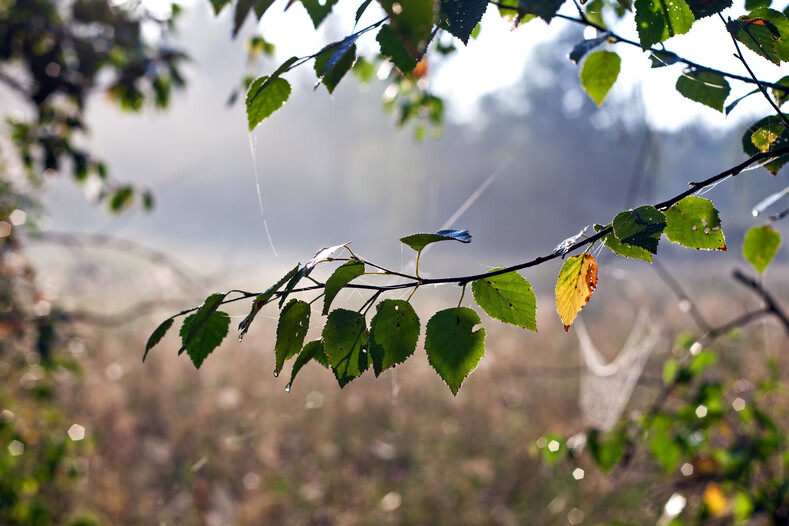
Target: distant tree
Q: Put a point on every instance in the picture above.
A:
(55, 56)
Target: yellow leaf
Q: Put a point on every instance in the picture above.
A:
(715, 500)
(577, 280)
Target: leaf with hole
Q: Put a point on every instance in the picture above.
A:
(599, 73)
(157, 335)
(345, 344)
(577, 280)
(262, 299)
(339, 278)
(693, 222)
(641, 227)
(781, 142)
(658, 20)
(394, 331)
(419, 241)
(760, 245)
(704, 86)
(207, 339)
(264, 97)
(294, 322)
(452, 345)
(508, 298)
(765, 136)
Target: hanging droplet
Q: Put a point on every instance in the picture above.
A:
(287, 388)
(240, 338)
(276, 373)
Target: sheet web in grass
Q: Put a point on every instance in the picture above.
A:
(606, 387)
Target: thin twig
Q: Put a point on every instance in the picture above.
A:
(750, 72)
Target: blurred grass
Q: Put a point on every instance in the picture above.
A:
(227, 445)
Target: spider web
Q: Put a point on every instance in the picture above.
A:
(606, 387)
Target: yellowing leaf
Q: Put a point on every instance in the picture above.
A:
(577, 280)
(716, 501)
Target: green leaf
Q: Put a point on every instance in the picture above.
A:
(759, 247)
(345, 344)
(394, 332)
(218, 5)
(413, 20)
(157, 335)
(763, 31)
(703, 8)
(243, 7)
(303, 271)
(262, 299)
(662, 444)
(764, 137)
(453, 347)
(208, 339)
(606, 449)
(339, 278)
(318, 9)
(671, 370)
(730, 107)
(750, 5)
(335, 63)
(628, 251)
(202, 317)
(693, 222)
(545, 9)
(419, 241)
(704, 86)
(121, 199)
(361, 9)
(392, 47)
(663, 58)
(658, 20)
(312, 351)
(261, 6)
(781, 96)
(782, 141)
(599, 73)
(508, 298)
(294, 322)
(641, 227)
(460, 17)
(264, 97)
(583, 47)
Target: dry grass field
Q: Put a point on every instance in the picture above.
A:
(168, 445)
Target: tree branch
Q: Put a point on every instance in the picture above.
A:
(750, 72)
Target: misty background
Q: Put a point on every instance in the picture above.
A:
(335, 168)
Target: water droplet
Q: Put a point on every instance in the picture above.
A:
(240, 338)
(287, 388)
(276, 373)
